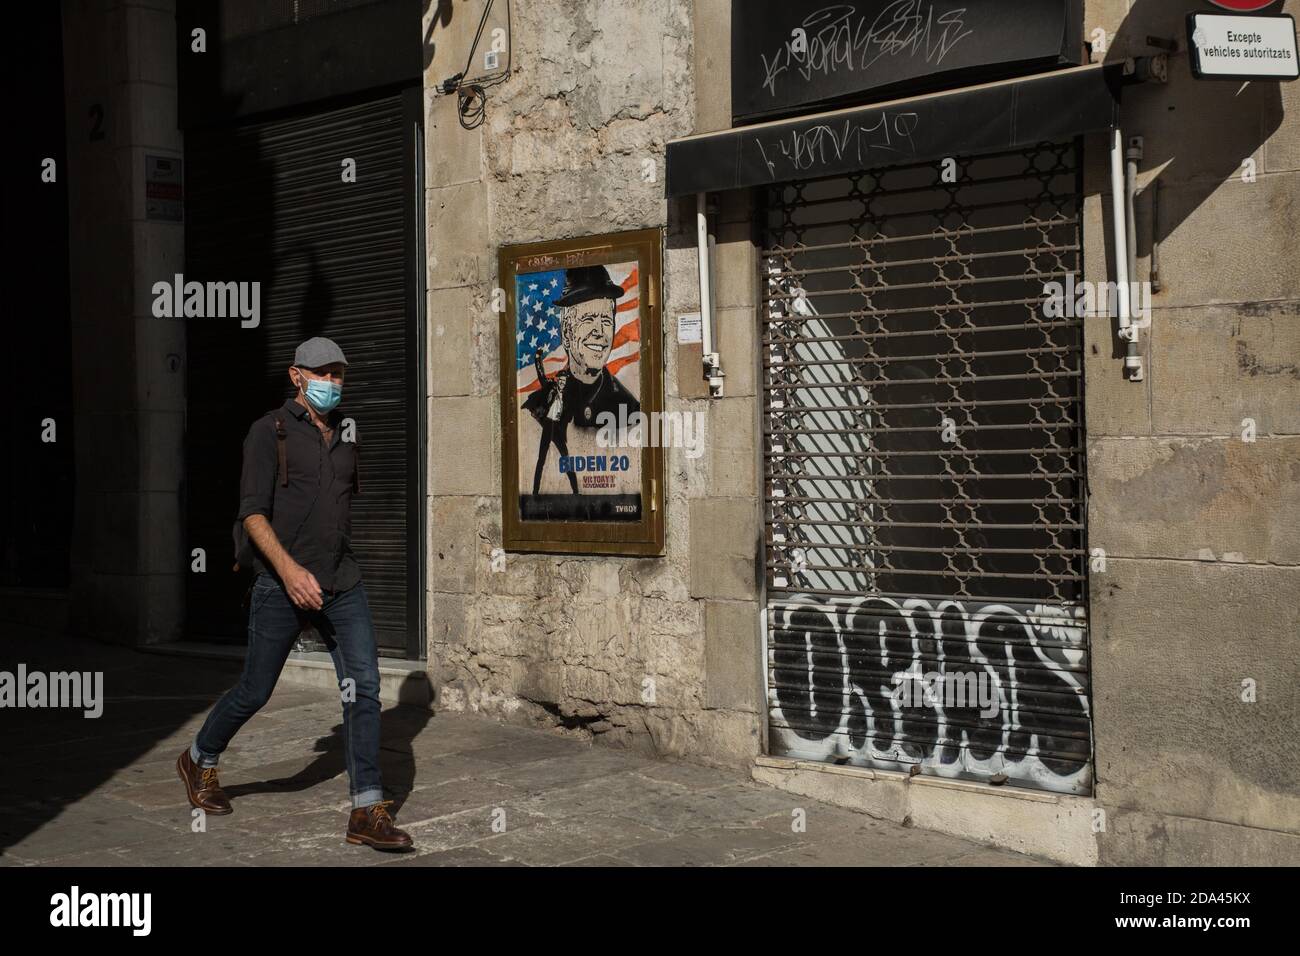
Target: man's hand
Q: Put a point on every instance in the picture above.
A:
(303, 589)
(299, 583)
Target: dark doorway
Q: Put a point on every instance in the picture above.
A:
(36, 365)
(267, 200)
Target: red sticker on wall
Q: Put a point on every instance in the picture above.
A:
(1243, 6)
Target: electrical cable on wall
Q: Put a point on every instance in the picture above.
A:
(471, 98)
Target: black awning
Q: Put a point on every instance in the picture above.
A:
(976, 119)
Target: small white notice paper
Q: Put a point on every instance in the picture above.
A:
(688, 328)
(1243, 47)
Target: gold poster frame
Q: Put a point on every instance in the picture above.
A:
(644, 536)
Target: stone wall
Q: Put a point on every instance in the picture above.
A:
(1201, 528)
(128, 557)
(573, 640)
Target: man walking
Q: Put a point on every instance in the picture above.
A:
(296, 488)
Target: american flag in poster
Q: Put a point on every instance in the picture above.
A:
(537, 325)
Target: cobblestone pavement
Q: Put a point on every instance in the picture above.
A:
(471, 791)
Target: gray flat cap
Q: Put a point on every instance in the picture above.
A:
(317, 352)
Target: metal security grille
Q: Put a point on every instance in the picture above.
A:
(926, 561)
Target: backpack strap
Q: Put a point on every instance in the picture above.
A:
(279, 451)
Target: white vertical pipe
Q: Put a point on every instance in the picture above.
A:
(1120, 206)
(1119, 223)
(706, 278)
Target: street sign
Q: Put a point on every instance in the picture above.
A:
(1224, 47)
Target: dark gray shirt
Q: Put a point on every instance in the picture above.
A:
(312, 516)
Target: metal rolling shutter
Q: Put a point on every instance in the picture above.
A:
(265, 201)
(897, 304)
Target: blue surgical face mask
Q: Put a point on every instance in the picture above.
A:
(323, 395)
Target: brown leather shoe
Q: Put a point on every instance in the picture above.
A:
(374, 827)
(201, 786)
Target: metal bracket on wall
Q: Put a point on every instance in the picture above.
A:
(1124, 168)
(1147, 69)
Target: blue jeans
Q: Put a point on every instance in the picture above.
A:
(273, 626)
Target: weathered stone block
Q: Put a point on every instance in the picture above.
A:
(448, 619)
(160, 367)
(1254, 252)
(731, 435)
(163, 549)
(162, 451)
(1055, 826)
(115, 543)
(856, 791)
(451, 322)
(681, 260)
(1147, 839)
(724, 738)
(162, 613)
(152, 119)
(1216, 366)
(453, 154)
(1282, 148)
(150, 34)
(1196, 498)
(690, 372)
(457, 239)
(725, 548)
(462, 446)
(108, 451)
(732, 656)
(543, 681)
(738, 338)
(453, 545)
(712, 32)
(735, 267)
(158, 248)
(1173, 642)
